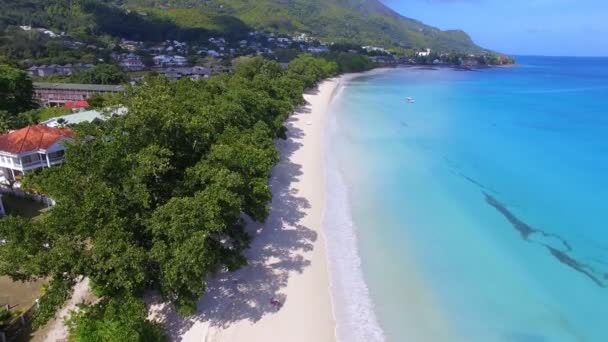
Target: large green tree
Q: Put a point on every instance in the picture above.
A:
(114, 319)
(101, 74)
(310, 69)
(16, 90)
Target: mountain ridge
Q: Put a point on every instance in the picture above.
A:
(368, 22)
(361, 22)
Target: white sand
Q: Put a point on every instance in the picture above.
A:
(57, 330)
(287, 258)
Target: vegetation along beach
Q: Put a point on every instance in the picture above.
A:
(303, 170)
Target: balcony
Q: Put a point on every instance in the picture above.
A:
(33, 164)
(56, 159)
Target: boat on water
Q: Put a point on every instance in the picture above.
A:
(410, 100)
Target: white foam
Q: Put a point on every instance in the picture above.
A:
(352, 305)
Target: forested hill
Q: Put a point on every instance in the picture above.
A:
(367, 22)
(355, 21)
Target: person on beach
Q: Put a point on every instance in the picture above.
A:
(275, 303)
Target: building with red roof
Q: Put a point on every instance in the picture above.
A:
(76, 104)
(31, 148)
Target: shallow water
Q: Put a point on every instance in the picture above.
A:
(479, 211)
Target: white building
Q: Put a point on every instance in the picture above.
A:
(318, 49)
(31, 148)
(131, 62)
(425, 53)
(164, 60)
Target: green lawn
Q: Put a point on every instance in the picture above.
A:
(52, 112)
(22, 206)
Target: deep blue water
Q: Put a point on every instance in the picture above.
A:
(480, 211)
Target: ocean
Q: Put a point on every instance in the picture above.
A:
(477, 213)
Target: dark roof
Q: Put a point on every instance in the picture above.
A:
(75, 86)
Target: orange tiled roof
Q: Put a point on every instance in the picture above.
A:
(36, 137)
(76, 104)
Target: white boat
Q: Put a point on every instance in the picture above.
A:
(410, 99)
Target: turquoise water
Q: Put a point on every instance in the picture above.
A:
(479, 211)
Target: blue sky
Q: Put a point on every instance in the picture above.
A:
(529, 27)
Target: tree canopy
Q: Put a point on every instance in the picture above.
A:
(155, 199)
(114, 319)
(101, 74)
(16, 90)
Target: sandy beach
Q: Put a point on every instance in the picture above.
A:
(287, 258)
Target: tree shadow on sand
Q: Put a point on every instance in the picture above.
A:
(276, 251)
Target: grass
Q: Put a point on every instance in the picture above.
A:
(52, 112)
(22, 206)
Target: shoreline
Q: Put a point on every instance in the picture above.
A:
(307, 313)
(288, 257)
(352, 307)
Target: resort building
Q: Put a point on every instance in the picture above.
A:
(56, 94)
(424, 53)
(165, 61)
(54, 69)
(31, 148)
(131, 62)
(194, 73)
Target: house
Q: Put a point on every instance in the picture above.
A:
(195, 73)
(41, 71)
(48, 32)
(374, 49)
(157, 48)
(53, 94)
(161, 60)
(425, 53)
(383, 59)
(165, 61)
(179, 61)
(130, 45)
(217, 41)
(213, 53)
(54, 69)
(131, 62)
(318, 49)
(31, 148)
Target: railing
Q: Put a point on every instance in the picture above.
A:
(42, 162)
(56, 159)
(7, 163)
(33, 163)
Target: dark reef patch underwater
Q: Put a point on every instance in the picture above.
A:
(561, 255)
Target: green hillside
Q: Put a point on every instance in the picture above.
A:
(366, 22)
(359, 21)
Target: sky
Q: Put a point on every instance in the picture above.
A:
(520, 27)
